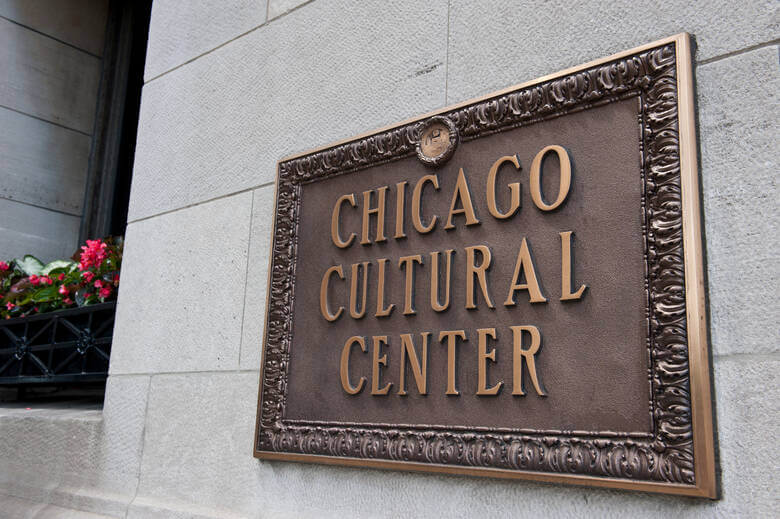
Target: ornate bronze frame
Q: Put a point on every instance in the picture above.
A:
(679, 458)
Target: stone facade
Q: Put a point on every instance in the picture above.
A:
(230, 89)
(51, 60)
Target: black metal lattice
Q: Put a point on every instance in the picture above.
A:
(67, 346)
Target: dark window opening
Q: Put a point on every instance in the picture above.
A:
(106, 199)
(113, 147)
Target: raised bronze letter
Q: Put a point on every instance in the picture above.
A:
(349, 388)
(482, 358)
(461, 192)
(407, 262)
(334, 222)
(420, 373)
(379, 211)
(381, 310)
(526, 265)
(435, 281)
(400, 193)
(536, 178)
(353, 311)
(514, 188)
(473, 270)
(518, 353)
(416, 200)
(376, 371)
(324, 293)
(566, 266)
(452, 338)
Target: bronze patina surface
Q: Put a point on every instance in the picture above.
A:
(509, 287)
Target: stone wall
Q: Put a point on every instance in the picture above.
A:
(231, 87)
(50, 57)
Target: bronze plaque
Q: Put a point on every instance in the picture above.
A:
(509, 287)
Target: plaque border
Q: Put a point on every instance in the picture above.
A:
(680, 457)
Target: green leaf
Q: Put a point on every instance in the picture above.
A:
(26, 300)
(59, 265)
(44, 294)
(30, 265)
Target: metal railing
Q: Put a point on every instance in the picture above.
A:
(64, 347)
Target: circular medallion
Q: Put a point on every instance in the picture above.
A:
(438, 140)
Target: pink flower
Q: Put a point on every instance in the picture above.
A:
(3, 266)
(35, 280)
(35, 309)
(104, 292)
(98, 283)
(116, 280)
(87, 275)
(87, 295)
(10, 306)
(46, 280)
(61, 276)
(68, 301)
(93, 255)
(63, 290)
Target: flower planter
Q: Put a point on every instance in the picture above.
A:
(66, 346)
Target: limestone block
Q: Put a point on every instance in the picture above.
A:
(198, 445)
(257, 278)
(43, 164)
(181, 296)
(57, 512)
(739, 110)
(101, 476)
(279, 7)
(182, 31)
(322, 73)
(19, 508)
(145, 508)
(41, 440)
(196, 462)
(25, 229)
(16, 508)
(748, 413)
(46, 78)
(81, 23)
(496, 44)
(91, 456)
